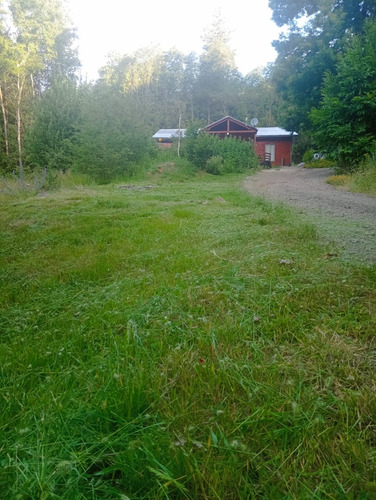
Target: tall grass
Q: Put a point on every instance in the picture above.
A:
(183, 341)
(364, 181)
(361, 181)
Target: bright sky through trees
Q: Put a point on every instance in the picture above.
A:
(125, 26)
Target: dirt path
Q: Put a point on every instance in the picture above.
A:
(348, 219)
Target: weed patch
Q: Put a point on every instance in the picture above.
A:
(338, 180)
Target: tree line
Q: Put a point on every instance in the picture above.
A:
(322, 85)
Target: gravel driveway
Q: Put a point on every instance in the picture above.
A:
(348, 219)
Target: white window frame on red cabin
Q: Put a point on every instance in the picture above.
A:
(270, 149)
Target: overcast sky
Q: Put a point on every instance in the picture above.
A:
(124, 26)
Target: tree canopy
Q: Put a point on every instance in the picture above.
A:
(309, 72)
(37, 48)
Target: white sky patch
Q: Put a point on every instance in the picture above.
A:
(125, 26)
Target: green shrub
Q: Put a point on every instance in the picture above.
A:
(308, 156)
(49, 140)
(236, 155)
(108, 144)
(338, 180)
(214, 165)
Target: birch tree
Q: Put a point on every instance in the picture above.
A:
(37, 43)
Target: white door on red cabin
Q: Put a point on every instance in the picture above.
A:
(270, 150)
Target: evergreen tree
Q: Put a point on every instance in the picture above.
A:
(218, 79)
(109, 143)
(50, 138)
(345, 121)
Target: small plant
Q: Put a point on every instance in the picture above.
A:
(214, 165)
(364, 180)
(338, 180)
(320, 163)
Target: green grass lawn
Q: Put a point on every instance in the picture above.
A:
(185, 341)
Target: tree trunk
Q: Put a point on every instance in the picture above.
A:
(18, 118)
(179, 138)
(32, 84)
(5, 120)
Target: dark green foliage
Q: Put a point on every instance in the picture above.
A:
(345, 122)
(310, 50)
(353, 11)
(109, 143)
(50, 138)
(217, 156)
(303, 143)
(298, 75)
(214, 165)
(36, 49)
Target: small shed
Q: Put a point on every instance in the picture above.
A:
(231, 127)
(275, 143)
(166, 136)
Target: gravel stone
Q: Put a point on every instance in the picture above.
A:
(345, 218)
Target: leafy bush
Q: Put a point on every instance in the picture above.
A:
(215, 155)
(308, 156)
(201, 148)
(109, 143)
(214, 165)
(49, 142)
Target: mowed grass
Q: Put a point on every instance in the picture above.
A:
(184, 341)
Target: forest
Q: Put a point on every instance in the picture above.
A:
(322, 85)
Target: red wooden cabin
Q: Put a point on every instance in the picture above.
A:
(271, 143)
(276, 144)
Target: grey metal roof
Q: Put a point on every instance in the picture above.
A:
(273, 132)
(169, 133)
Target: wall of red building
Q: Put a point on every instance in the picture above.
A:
(282, 150)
